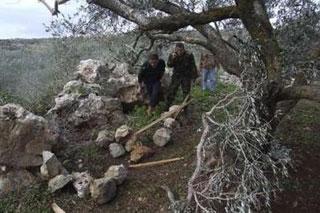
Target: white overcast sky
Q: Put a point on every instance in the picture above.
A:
(25, 18)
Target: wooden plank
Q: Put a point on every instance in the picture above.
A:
(154, 163)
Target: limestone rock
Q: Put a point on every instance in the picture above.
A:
(51, 166)
(122, 133)
(174, 108)
(15, 180)
(170, 123)
(116, 150)
(119, 173)
(23, 137)
(58, 182)
(130, 144)
(140, 152)
(82, 183)
(162, 136)
(103, 190)
(105, 137)
(91, 71)
(123, 84)
(97, 109)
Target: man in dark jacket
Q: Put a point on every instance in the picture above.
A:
(184, 72)
(150, 76)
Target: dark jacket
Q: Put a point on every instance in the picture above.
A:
(149, 74)
(183, 66)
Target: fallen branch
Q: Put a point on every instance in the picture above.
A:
(155, 163)
(56, 208)
(174, 113)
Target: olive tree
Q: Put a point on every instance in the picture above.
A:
(238, 161)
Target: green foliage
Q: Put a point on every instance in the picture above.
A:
(301, 125)
(139, 117)
(90, 152)
(35, 199)
(202, 102)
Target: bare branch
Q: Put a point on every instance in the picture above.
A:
(172, 23)
(301, 92)
(53, 10)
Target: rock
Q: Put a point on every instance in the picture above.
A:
(123, 84)
(171, 109)
(170, 123)
(162, 136)
(98, 110)
(15, 180)
(130, 144)
(23, 137)
(80, 88)
(140, 152)
(174, 108)
(105, 137)
(92, 71)
(58, 182)
(122, 133)
(116, 150)
(82, 183)
(72, 92)
(103, 190)
(51, 166)
(119, 173)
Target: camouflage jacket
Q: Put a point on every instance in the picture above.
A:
(183, 66)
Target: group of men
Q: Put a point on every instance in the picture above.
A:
(184, 73)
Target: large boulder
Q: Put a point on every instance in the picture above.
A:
(24, 136)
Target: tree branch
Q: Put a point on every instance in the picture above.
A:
(172, 23)
(172, 37)
(309, 92)
(53, 10)
(226, 56)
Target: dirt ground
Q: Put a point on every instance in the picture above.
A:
(300, 131)
(142, 192)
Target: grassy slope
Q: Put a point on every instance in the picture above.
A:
(300, 131)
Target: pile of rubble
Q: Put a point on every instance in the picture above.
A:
(125, 140)
(92, 102)
(102, 190)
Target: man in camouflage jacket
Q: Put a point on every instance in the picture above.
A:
(184, 72)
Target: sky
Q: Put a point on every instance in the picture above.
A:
(26, 18)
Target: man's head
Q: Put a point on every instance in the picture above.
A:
(153, 60)
(179, 49)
